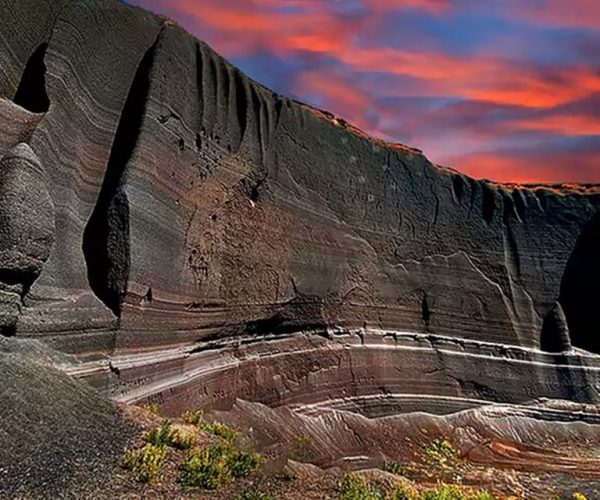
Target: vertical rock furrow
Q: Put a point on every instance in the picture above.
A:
(199, 90)
(106, 245)
(488, 203)
(257, 113)
(209, 88)
(31, 93)
(238, 108)
(458, 188)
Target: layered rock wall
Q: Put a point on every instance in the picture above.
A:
(190, 204)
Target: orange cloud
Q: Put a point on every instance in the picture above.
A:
(479, 78)
(564, 124)
(337, 94)
(355, 79)
(543, 167)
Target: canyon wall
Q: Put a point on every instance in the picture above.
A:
(159, 210)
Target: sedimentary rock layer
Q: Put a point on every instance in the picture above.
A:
(190, 205)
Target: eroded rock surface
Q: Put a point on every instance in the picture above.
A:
(196, 238)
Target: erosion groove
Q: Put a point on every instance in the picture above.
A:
(488, 203)
(202, 241)
(106, 245)
(31, 93)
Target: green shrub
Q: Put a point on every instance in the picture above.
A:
(355, 487)
(205, 468)
(166, 435)
(145, 463)
(161, 435)
(218, 429)
(404, 491)
(393, 467)
(253, 495)
(452, 492)
(181, 439)
(441, 452)
(302, 449)
(152, 408)
(216, 465)
(192, 418)
(242, 463)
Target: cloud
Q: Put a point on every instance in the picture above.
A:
(559, 13)
(464, 96)
(566, 161)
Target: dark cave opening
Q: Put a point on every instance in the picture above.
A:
(555, 332)
(425, 311)
(31, 93)
(580, 288)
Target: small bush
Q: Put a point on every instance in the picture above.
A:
(146, 462)
(253, 495)
(393, 467)
(166, 435)
(182, 439)
(452, 492)
(441, 452)
(161, 435)
(216, 465)
(302, 449)
(192, 418)
(242, 463)
(403, 491)
(152, 408)
(206, 468)
(220, 430)
(355, 487)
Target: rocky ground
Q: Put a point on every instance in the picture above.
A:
(62, 439)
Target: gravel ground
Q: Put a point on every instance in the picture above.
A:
(58, 438)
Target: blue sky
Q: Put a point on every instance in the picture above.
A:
(503, 89)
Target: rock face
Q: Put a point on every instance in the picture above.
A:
(196, 238)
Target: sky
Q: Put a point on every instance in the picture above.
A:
(507, 90)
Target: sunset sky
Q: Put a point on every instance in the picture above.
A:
(507, 90)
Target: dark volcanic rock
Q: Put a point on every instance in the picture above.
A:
(213, 240)
(60, 438)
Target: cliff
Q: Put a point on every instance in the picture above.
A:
(195, 238)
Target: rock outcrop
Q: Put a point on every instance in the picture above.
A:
(196, 238)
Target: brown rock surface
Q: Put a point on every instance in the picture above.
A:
(198, 240)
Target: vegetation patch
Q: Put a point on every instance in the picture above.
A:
(393, 467)
(302, 450)
(152, 408)
(355, 487)
(193, 418)
(167, 435)
(205, 468)
(146, 462)
(253, 495)
(442, 453)
(216, 465)
(219, 430)
(453, 492)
